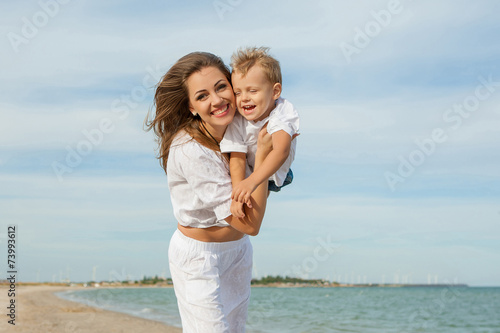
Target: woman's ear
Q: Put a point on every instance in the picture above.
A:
(191, 109)
(276, 91)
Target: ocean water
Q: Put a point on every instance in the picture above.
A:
(364, 310)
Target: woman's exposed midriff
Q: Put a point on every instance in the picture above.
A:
(211, 234)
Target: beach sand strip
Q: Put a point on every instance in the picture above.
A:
(39, 310)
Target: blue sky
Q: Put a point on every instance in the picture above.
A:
(397, 171)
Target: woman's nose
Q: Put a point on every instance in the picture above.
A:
(217, 99)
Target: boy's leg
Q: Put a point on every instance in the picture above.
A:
(275, 188)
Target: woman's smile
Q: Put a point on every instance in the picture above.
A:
(221, 112)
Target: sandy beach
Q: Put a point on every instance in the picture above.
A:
(38, 310)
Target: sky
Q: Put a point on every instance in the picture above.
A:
(397, 176)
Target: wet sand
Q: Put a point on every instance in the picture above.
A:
(38, 310)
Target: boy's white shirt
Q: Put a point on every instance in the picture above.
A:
(241, 136)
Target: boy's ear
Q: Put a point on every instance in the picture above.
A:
(276, 91)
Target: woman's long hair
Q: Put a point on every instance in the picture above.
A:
(172, 103)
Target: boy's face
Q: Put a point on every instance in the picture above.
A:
(255, 95)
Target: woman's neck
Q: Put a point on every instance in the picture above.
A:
(213, 133)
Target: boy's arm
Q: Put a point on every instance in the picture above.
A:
(252, 221)
(275, 159)
(237, 168)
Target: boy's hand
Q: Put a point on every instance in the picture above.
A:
(243, 190)
(237, 209)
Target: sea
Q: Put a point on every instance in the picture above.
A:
(353, 309)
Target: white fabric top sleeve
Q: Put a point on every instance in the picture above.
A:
(234, 137)
(284, 117)
(199, 183)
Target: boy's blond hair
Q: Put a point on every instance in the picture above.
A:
(244, 59)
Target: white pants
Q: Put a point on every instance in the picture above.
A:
(211, 283)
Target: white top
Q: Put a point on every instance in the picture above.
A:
(241, 136)
(199, 183)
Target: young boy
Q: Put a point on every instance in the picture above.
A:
(256, 80)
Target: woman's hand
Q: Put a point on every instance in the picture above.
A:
(264, 142)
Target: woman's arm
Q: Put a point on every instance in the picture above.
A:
(251, 222)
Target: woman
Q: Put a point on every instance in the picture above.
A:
(210, 254)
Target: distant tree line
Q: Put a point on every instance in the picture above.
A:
(287, 279)
(154, 280)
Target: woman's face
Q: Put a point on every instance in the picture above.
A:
(211, 97)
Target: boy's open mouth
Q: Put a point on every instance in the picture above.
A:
(249, 108)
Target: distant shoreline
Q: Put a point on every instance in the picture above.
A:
(288, 281)
(342, 285)
(84, 286)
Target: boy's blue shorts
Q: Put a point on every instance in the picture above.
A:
(275, 188)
